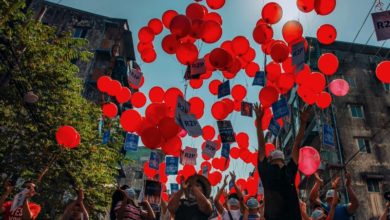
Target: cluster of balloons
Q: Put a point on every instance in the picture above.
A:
(68, 137)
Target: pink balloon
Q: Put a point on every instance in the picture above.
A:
(339, 87)
(309, 160)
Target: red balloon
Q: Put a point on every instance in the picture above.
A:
(273, 71)
(215, 177)
(339, 87)
(213, 86)
(309, 160)
(237, 106)
(315, 82)
(238, 92)
(197, 28)
(195, 11)
(156, 25)
(235, 152)
(187, 53)
(155, 112)
(143, 46)
(288, 66)
(213, 16)
(272, 13)
(269, 147)
(326, 34)
(124, 95)
(146, 34)
(266, 47)
(170, 44)
(307, 95)
(215, 4)
(279, 51)
(103, 83)
(324, 7)
(156, 94)
(212, 31)
(301, 75)
(242, 140)
(67, 136)
(218, 110)
(168, 127)
(130, 120)
(383, 71)
(220, 58)
(151, 137)
(114, 88)
(168, 16)
(138, 99)
(188, 170)
(180, 26)
(110, 110)
(148, 55)
(292, 31)
(196, 83)
(141, 83)
(328, 63)
(196, 107)
(268, 95)
(285, 83)
(251, 69)
(250, 55)
(172, 146)
(229, 105)
(262, 33)
(324, 100)
(170, 98)
(305, 5)
(208, 132)
(240, 45)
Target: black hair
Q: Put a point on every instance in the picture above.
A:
(27, 182)
(203, 186)
(116, 197)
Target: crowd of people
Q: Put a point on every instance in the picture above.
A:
(193, 201)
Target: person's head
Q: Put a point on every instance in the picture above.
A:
(233, 204)
(200, 182)
(116, 197)
(30, 186)
(318, 214)
(277, 158)
(329, 196)
(75, 212)
(253, 205)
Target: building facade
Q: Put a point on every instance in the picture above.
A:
(360, 122)
(109, 39)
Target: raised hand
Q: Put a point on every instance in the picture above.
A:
(225, 181)
(336, 183)
(318, 179)
(259, 111)
(233, 176)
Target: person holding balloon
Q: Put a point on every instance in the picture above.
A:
(280, 196)
(343, 211)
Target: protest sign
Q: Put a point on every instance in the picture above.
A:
(131, 142)
(188, 156)
(226, 131)
(171, 165)
(224, 89)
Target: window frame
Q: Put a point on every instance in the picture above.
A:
(386, 87)
(361, 107)
(82, 32)
(373, 185)
(367, 145)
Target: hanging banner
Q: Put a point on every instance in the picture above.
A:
(188, 156)
(226, 131)
(280, 109)
(382, 25)
(131, 142)
(191, 125)
(224, 89)
(298, 55)
(274, 127)
(182, 107)
(225, 152)
(106, 136)
(246, 109)
(152, 194)
(198, 67)
(154, 160)
(174, 188)
(134, 77)
(328, 136)
(259, 79)
(171, 165)
(210, 149)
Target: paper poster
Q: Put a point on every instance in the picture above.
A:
(174, 188)
(182, 107)
(246, 109)
(224, 89)
(106, 136)
(210, 149)
(225, 152)
(191, 125)
(154, 160)
(280, 109)
(274, 127)
(171, 165)
(131, 142)
(382, 25)
(198, 67)
(152, 194)
(134, 77)
(328, 135)
(259, 79)
(298, 54)
(226, 131)
(19, 199)
(188, 156)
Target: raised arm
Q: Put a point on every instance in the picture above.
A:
(332, 210)
(80, 200)
(174, 203)
(354, 202)
(238, 191)
(314, 197)
(386, 212)
(298, 139)
(217, 202)
(260, 133)
(203, 203)
(303, 208)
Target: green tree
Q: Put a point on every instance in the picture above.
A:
(34, 58)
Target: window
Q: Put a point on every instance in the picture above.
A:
(351, 81)
(80, 32)
(373, 185)
(357, 111)
(387, 87)
(364, 145)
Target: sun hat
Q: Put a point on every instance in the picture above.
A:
(204, 181)
(276, 154)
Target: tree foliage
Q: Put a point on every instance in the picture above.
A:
(34, 58)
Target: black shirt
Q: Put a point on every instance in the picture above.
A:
(280, 195)
(189, 210)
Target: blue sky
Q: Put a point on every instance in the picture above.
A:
(239, 18)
